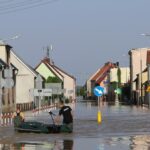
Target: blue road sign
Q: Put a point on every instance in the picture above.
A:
(98, 91)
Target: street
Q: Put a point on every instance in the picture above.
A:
(123, 127)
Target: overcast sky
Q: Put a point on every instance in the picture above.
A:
(84, 33)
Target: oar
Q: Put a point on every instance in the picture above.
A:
(51, 114)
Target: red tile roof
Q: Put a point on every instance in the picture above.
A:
(102, 73)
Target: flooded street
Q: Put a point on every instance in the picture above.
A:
(123, 127)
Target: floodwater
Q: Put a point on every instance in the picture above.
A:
(123, 127)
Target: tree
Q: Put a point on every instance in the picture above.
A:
(53, 80)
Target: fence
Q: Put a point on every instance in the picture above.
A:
(6, 119)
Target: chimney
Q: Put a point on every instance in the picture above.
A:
(148, 57)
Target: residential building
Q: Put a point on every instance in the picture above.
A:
(138, 59)
(118, 78)
(124, 75)
(89, 86)
(100, 77)
(25, 77)
(47, 68)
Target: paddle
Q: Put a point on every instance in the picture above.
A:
(52, 114)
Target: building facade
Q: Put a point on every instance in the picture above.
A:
(46, 68)
(138, 63)
(24, 79)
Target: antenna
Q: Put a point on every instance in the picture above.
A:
(47, 53)
(49, 48)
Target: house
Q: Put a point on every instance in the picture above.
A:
(88, 85)
(138, 64)
(124, 75)
(100, 78)
(25, 77)
(46, 68)
(142, 80)
(118, 78)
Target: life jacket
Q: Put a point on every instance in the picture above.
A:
(17, 120)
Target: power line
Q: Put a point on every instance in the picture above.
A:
(19, 6)
(6, 1)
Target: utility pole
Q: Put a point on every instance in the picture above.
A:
(148, 68)
(141, 78)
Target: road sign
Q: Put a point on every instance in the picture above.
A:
(56, 88)
(53, 85)
(98, 91)
(42, 92)
(148, 89)
(47, 92)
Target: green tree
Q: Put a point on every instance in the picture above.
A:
(53, 80)
(119, 77)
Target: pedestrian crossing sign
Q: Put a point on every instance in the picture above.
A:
(148, 89)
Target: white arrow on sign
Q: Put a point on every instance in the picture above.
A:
(99, 91)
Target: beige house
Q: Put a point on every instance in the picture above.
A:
(25, 77)
(25, 80)
(46, 68)
(125, 74)
(138, 59)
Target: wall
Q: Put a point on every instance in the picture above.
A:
(24, 80)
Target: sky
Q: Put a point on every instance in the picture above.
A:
(85, 34)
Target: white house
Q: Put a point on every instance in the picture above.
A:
(25, 76)
(46, 68)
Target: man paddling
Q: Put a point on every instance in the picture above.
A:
(66, 112)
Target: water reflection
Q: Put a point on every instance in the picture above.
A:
(56, 145)
(141, 142)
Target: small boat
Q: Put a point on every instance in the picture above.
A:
(38, 127)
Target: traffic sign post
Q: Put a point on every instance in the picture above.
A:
(98, 91)
(39, 82)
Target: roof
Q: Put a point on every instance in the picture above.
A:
(25, 64)
(14, 67)
(65, 72)
(102, 73)
(2, 43)
(53, 68)
(2, 63)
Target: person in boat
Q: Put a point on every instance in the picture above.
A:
(18, 117)
(66, 112)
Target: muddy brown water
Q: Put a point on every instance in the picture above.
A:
(123, 127)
